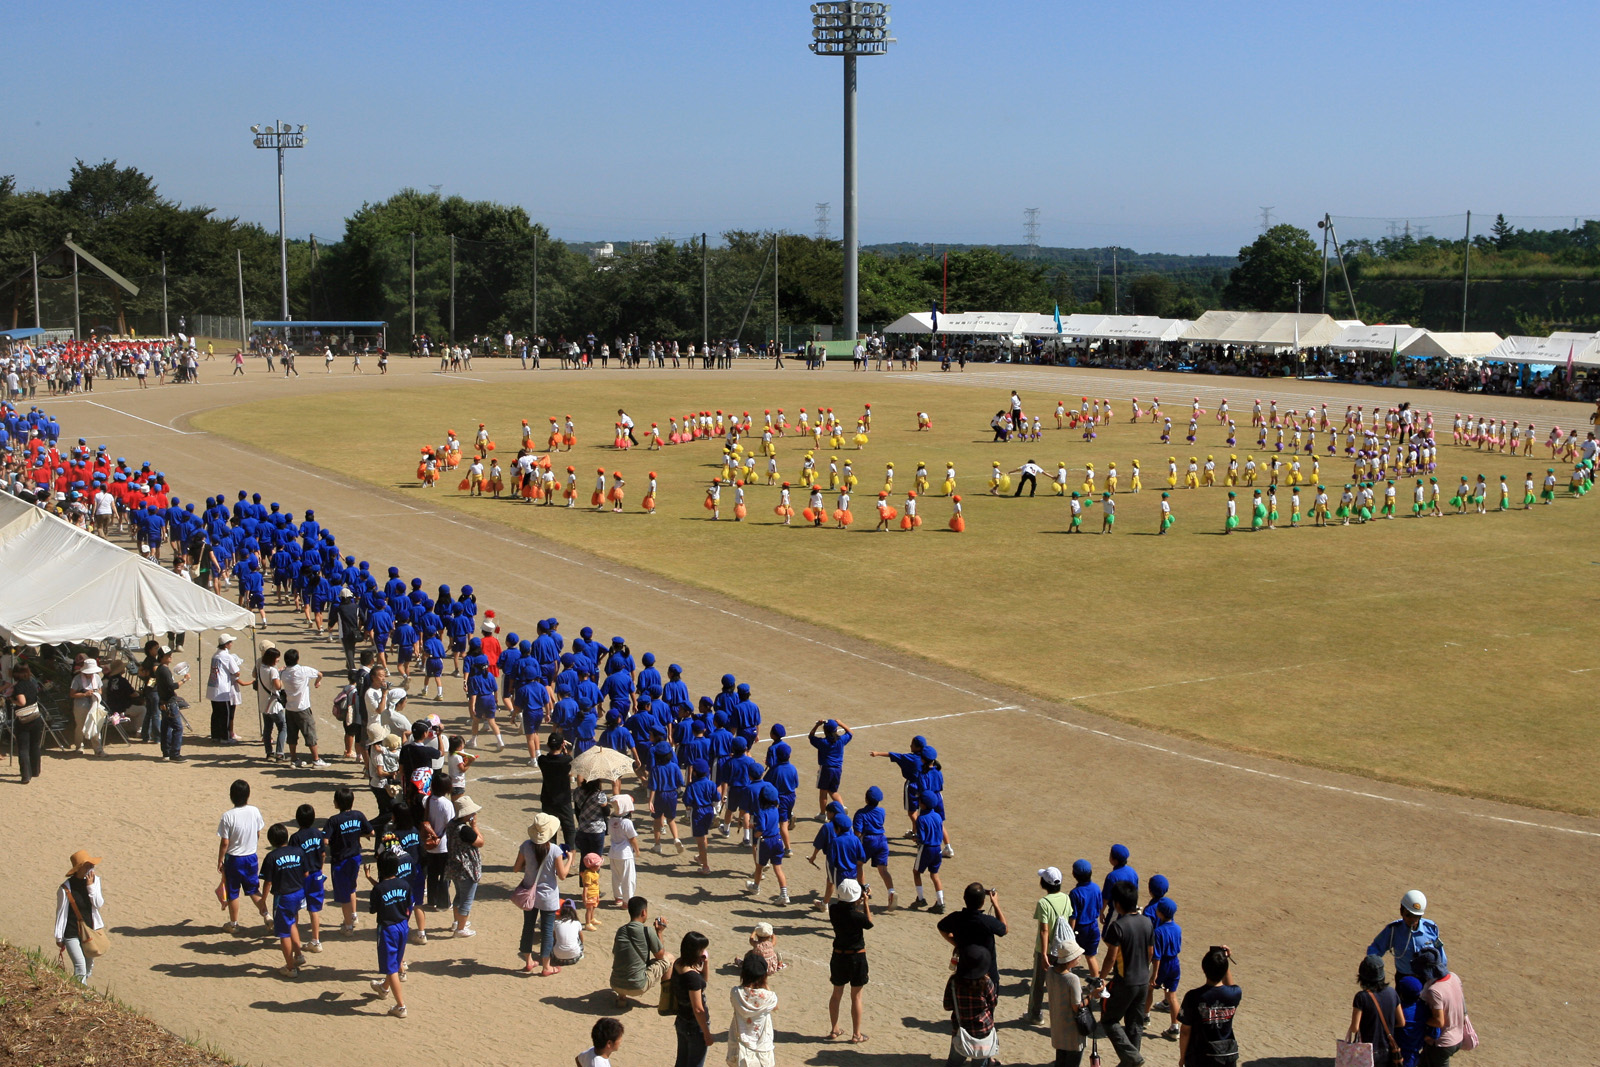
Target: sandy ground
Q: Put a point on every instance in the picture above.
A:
(1294, 868)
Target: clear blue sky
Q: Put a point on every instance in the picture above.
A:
(1160, 126)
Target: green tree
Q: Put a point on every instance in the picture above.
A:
(1265, 278)
(1152, 294)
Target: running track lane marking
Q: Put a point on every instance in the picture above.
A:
(1302, 781)
(141, 418)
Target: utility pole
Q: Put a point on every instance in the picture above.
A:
(822, 221)
(77, 313)
(1323, 226)
(1266, 219)
(536, 284)
(705, 297)
(1297, 285)
(38, 316)
(775, 340)
(1116, 300)
(164, 332)
(1466, 269)
(413, 288)
(452, 287)
(244, 325)
(280, 136)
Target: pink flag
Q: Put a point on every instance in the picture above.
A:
(1569, 363)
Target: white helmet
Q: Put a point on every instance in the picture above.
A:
(1414, 903)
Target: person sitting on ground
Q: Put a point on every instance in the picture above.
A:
(638, 961)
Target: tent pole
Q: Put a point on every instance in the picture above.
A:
(1325, 218)
(77, 312)
(1347, 290)
(255, 656)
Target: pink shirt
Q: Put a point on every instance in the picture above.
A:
(1445, 994)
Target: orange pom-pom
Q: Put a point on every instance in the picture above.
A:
(808, 514)
(649, 503)
(958, 524)
(463, 485)
(739, 511)
(709, 503)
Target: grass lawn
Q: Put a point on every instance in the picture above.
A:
(1435, 652)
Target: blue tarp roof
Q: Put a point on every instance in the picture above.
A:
(320, 325)
(21, 334)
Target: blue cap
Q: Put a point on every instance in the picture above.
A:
(744, 689)
(1158, 885)
(874, 795)
(1409, 989)
(841, 822)
(394, 572)
(919, 743)
(1082, 868)
(701, 767)
(834, 808)
(929, 752)
(525, 648)
(831, 725)
(1119, 854)
(466, 590)
(416, 583)
(663, 752)
(673, 668)
(649, 659)
(767, 794)
(476, 645)
(511, 640)
(739, 744)
(1166, 908)
(778, 731)
(727, 681)
(566, 659)
(781, 752)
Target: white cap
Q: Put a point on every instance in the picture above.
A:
(1051, 875)
(224, 639)
(849, 890)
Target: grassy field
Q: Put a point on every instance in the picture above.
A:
(1436, 652)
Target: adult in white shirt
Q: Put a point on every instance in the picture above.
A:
(268, 687)
(1030, 472)
(87, 715)
(438, 814)
(78, 903)
(298, 681)
(105, 508)
(626, 421)
(222, 689)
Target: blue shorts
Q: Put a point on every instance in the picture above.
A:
(701, 822)
(483, 707)
(1088, 938)
(392, 947)
(239, 872)
(828, 779)
(380, 641)
(877, 848)
(785, 810)
(532, 720)
(928, 859)
(405, 653)
(318, 606)
(740, 799)
(724, 769)
(286, 913)
(345, 872)
(771, 851)
(665, 804)
(910, 795)
(434, 667)
(457, 645)
(1171, 972)
(257, 601)
(315, 891)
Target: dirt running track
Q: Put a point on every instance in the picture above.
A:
(1295, 869)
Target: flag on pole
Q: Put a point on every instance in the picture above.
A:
(935, 327)
(1058, 316)
(1569, 363)
(1394, 351)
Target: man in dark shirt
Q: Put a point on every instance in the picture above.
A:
(1128, 940)
(416, 761)
(851, 916)
(284, 871)
(1206, 1016)
(970, 926)
(347, 617)
(555, 786)
(171, 715)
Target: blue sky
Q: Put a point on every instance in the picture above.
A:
(1158, 126)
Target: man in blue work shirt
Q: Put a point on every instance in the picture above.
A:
(830, 760)
(1408, 935)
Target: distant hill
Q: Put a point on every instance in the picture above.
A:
(1128, 261)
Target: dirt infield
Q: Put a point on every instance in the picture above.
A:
(1295, 868)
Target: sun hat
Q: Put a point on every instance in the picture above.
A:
(90, 666)
(81, 859)
(467, 806)
(849, 891)
(762, 931)
(622, 804)
(376, 732)
(225, 639)
(543, 828)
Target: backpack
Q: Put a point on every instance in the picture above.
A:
(341, 704)
(1062, 936)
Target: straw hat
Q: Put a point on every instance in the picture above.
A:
(376, 732)
(543, 828)
(81, 859)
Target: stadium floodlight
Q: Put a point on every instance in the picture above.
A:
(279, 136)
(849, 29)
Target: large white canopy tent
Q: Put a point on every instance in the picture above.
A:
(1430, 345)
(1263, 329)
(970, 323)
(1361, 338)
(63, 583)
(1584, 349)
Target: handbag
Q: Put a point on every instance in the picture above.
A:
(1085, 1018)
(93, 943)
(1394, 1048)
(1469, 1036)
(667, 1003)
(522, 897)
(1352, 1054)
(975, 1048)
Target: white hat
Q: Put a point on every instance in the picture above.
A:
(1050, 875)
(622, 804)
(849, 891)
(1414, 903)
(90, 666)
(225, 639)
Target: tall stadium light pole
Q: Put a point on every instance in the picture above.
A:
(850, 28)
(279, 136)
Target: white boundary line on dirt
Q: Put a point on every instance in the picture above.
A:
(141, 418)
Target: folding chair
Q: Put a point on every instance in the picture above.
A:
(57, 723)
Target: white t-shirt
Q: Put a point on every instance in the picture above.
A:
(440, 812)
(223, 684)
(241, 827)
(105, 503)
(587, 1058)
(297, 682)
(568, 939)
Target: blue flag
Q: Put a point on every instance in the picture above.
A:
(935, 327)
(1058, 317)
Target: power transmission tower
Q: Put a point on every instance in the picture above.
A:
(1394, 229)
(1030, 230)
(822, 221)
(1266, 219)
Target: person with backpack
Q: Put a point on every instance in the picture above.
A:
(1052, 909)
(1071, 1018)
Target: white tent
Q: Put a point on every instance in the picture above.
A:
(1105, 327)
(1453, 345)
(1265, 329)
(1585, 350)
(66, 584)
(970, 323)
(1375, 338)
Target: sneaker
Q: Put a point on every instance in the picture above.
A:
(499, 745)
(347, 928)
(319, 763)
(419, 937)
(466, 931)
(783, 898)
(230, 928)
(266, 921)
(679, 846)
(917, 904)
(398, 1011)
(1171, 1032)
(177, 759)
(313, 946)
(749, 886)
(288, 972)
(380, 986)
(299, 959)
(937, 909)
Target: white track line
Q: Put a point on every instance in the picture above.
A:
(141, 418)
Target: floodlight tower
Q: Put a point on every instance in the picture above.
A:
(281, 135)
(850, 28)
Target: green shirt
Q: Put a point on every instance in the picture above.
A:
(1051, 907)
(635, 946)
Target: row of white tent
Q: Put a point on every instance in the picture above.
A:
(1256, 329)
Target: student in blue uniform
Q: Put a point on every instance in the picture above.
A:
(392, 903)
(1158, 886)
(1086, 904)
(532, 702)
(747, 716)
(869, 827)
(1166, 944)
(433, 666)
(830, 760)
(312, 840)
(744, 773)
(285, 872)
(344, 833)
(1120, 872)
(930, 782)
(721, 739)
(666, 782)
(770, 843)
(408, 839)
(930, 841)
(909, 765)
(649, 680)
(701, 800)
(675, 692)
(785, 778)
